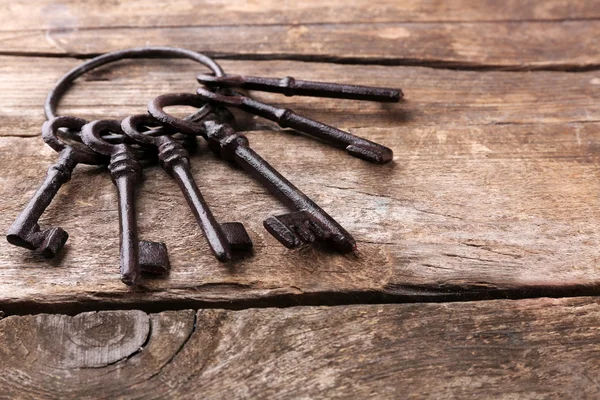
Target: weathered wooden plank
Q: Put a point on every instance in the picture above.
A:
(73, 14)
(433, 97)
(525, 349)
(514, 45)
(463, 210)
(480, 196)
(88, 348)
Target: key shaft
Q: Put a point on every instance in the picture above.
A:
(125, 172)
(25, 231)
(290, 86)
(176, 163)
(354, 145)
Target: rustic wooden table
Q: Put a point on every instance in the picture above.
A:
(479, 246)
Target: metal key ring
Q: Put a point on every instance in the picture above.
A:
(81, 153)
(63, 84)
(131, 124)
(187, 125)
(148, 137)
(92, 136)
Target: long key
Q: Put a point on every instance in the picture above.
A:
(125, 172)
(310, 222)
(307, 224)
(25, 231)
(294, 87)
(174, 159)
(354, 145)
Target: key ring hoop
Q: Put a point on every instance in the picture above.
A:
(65, 82)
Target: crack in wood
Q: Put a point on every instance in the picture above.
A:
(392, 294)
(530, 347)
(332, 59)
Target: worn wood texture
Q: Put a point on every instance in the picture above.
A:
(512, 35)
(73, 14)
(494, 189)
(526, 349)
(494, 192)
(435, 98)
(563, 45)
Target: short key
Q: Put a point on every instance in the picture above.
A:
(307, 224)
(125, 172)
(354, 145)
(25, 231)
(174, 159)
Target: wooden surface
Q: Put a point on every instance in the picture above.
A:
(526, 349)
(494, 192)
(509, 34)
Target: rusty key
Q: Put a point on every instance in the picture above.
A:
(307, 224)
(125, 172)
(174, 159)
(354, 145)
(290, 86)
(25, 231)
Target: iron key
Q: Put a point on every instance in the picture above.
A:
(354, 145)
(290, 86)
(174, 159)
(125, 172)
(310, 222)
(25, 231)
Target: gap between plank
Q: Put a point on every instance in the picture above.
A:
(331, 59)
(396, 294)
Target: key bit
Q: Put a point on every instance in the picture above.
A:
(153, 257)
(125, 172)
(25, 231)
(294, 229)
(174, 159)
(295, 87)
(354, 145)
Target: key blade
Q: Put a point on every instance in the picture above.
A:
(280, 231)
(154, 257)
(375, 154)
(290, 86)
(54, 241)
(236, 236)
(296, 228)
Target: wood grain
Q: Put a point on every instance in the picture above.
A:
(84, 356)
(463, 211)
(563, 45)
(432, 97)
(461, 34)
(526, 349)
(73, 14)
(494, 191)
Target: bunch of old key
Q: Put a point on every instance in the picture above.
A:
(127, 146)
